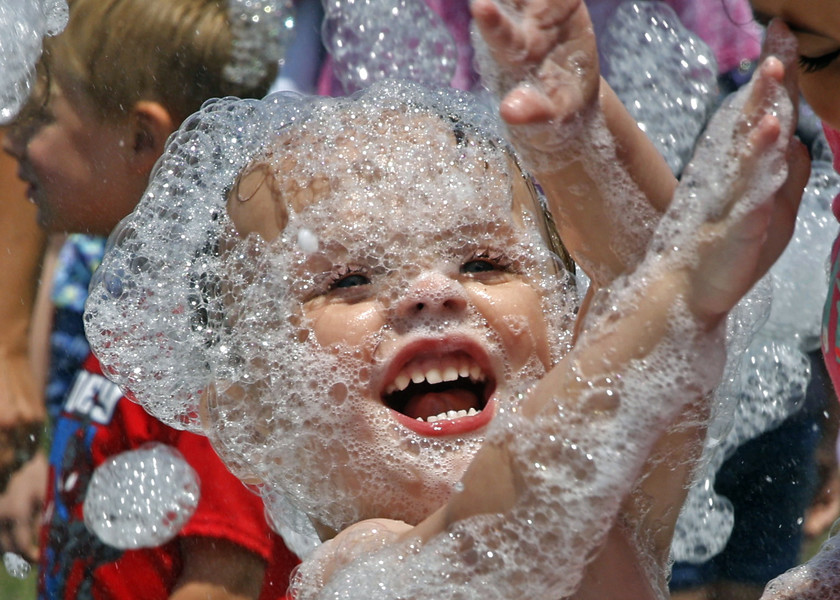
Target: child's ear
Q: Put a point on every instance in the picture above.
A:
(151, 125)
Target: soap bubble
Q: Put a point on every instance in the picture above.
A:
(23, 25)
(141, 498)
(372, 40)
(16, 565)
(664, 74)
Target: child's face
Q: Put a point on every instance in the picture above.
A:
(76, 163)
(402, 304)
(816, 25)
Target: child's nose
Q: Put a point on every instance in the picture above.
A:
(432, 293)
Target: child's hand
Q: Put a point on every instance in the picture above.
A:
(750, 205)
(546, 56)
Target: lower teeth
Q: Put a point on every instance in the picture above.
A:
(450, 414)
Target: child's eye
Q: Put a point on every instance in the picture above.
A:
(348, 277)
(485, 261)
(811, 64)
(351, 281)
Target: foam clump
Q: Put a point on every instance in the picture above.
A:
(665, 75)
(261, 30)
(372, 40)
(767, 381)
(141, 498)
(23, 25)
(770, 381)
(16, 566)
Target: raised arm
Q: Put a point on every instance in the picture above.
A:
(594, 163)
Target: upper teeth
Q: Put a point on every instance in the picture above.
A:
(435, 374)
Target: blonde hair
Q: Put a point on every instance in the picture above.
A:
(170, 51)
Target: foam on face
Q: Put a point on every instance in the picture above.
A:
(301, 325)
(397, 216)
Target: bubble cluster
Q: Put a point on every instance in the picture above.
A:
(766, 382)
(372, 40)
(260, 30)
(234, 263)
(665, 75)
(141, 498)
(16, 566)
(23, 25)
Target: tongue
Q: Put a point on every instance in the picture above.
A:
(433, 403)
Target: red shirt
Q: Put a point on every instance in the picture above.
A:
(97, 422)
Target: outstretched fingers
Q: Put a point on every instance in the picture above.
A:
(546, 54)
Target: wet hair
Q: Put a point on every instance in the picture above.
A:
(170, 51)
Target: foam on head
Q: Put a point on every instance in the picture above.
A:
(228, 281)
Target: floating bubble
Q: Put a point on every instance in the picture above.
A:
(141, 498)
(372, 40)
(16, 566)
(23, 25)
(307, 241)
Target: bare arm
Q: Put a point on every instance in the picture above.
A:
(21, 405)
(594, 163)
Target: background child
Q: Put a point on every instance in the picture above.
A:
(86, 145)
(364, 272)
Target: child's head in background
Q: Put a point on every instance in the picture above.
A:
(119, 79)
(816, 27)
(378, 286)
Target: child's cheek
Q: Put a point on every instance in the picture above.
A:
(348, 325)
(514, 311)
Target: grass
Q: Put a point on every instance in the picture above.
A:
(17, 589)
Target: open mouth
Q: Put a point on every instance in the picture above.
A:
(439, 389)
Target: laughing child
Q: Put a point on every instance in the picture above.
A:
(363, 304)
